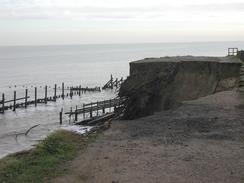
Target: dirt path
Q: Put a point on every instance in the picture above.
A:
(201, 141)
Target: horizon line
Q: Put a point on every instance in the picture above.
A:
(122, 43)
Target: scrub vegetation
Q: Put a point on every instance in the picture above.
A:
(45, 161)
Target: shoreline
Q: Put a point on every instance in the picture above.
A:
(45, 161)
(76, 129)
(47, 116)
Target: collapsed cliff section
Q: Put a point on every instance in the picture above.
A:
(157, 84)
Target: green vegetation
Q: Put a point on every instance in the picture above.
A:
(45, 161)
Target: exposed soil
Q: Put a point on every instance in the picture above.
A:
(200, 142)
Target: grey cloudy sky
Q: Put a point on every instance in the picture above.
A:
(34, 22)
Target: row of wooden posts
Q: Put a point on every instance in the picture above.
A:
(77, 90)
(92, 107)
(113, 83)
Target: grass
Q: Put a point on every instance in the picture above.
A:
(45, 161)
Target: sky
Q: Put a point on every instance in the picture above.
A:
(45, 22)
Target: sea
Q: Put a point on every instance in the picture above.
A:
(26, 67)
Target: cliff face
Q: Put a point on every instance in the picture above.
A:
(158, 84)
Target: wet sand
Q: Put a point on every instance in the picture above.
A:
(199, 142)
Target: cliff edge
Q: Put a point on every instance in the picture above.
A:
(157, 84)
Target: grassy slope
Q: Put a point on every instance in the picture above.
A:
(45, 161)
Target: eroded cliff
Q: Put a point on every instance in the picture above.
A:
(157, 84)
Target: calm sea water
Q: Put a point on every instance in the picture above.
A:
(87, 65)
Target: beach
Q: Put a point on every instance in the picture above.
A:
(26, 67)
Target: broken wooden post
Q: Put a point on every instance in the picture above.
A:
(91, 111)
(35, 96)
(103, 106)
(76, 114)
(55, 92)
(62, 90)
(79, 89)
(70, 114)
(26, 96)
(71, 92)
(45, 95)
(3, 100)
(14, 101)
(111, 81)
(61, 117)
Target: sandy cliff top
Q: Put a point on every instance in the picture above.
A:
(188, 59)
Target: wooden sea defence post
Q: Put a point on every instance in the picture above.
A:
(91, 111)
(55, 92)
(71, 92)
(79, 89)
(26, 96)
(76, 114)
(71, 111)
(111, 81)
(103, 106)
(35, 96)
(14, 101)
(63, 91)
(116, 82)
(3, 100)
(45, 94)
(61, 117)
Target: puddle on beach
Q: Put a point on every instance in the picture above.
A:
(47, 119)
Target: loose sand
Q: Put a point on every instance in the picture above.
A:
(201, 141)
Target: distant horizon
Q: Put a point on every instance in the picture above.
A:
(119, 43)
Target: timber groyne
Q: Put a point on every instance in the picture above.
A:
(50, 94)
